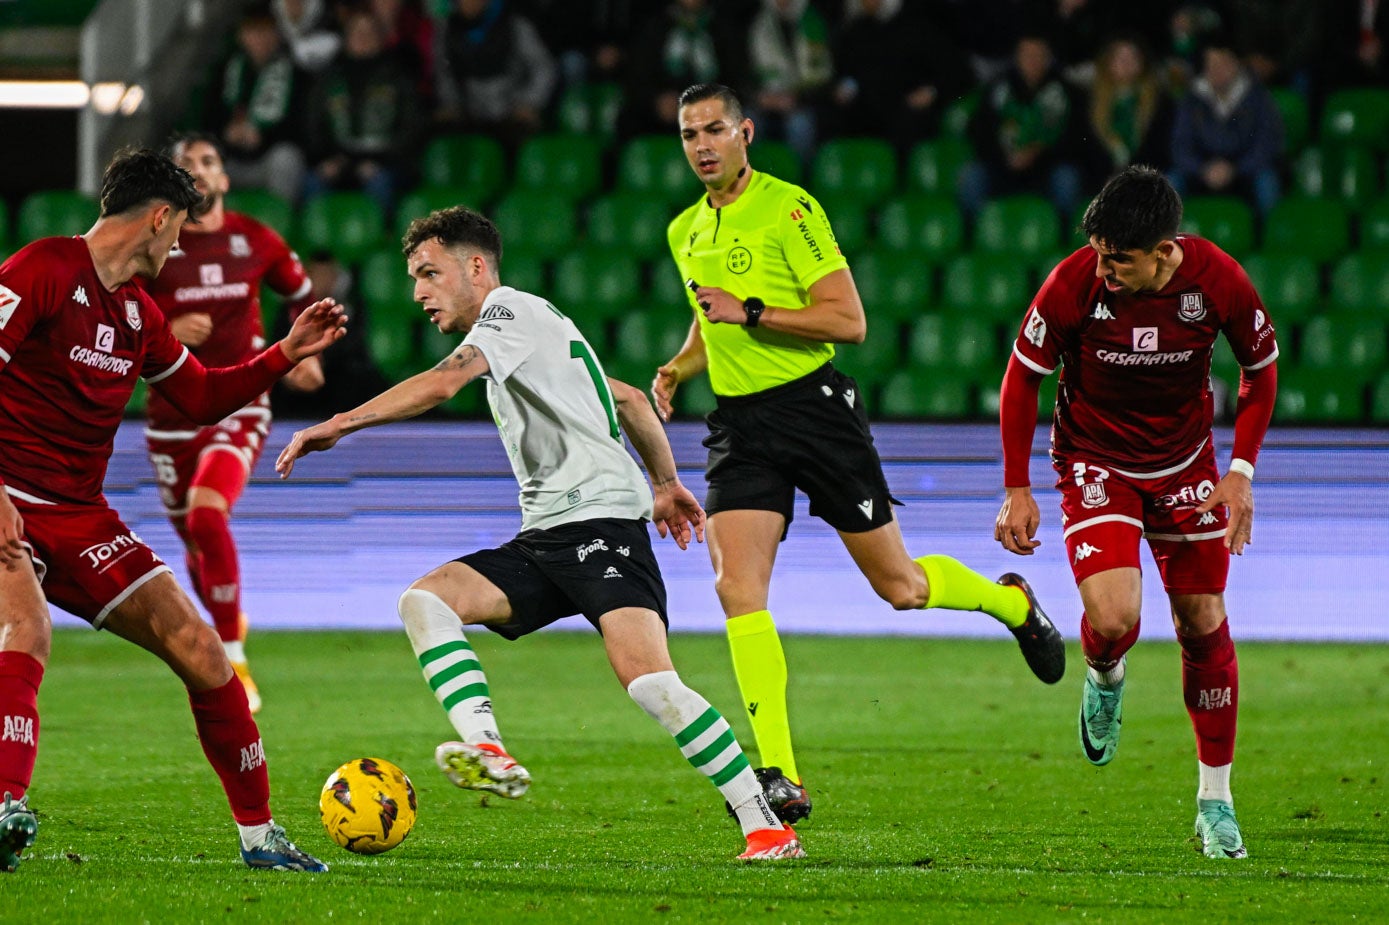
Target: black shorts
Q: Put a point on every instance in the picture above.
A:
(591, 567)
(812, 434)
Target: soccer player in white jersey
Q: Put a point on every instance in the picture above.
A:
(584, 547)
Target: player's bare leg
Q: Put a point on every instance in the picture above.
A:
(635, 640)
(159, 617)
(25, 640)
(434, 610)
(743, 546)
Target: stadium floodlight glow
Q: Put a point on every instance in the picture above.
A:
(107, 97)
(43, 94)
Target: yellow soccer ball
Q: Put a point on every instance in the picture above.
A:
(368, 806)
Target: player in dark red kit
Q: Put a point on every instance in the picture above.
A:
(1131, 320)
(75, 333)
(209, 290)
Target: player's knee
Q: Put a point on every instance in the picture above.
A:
(1112, 622)
(204, 524)
(195, 652)
(739, 594)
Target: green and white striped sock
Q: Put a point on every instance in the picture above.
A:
(450, 665)
(707, 742)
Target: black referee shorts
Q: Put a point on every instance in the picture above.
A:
(812, 434)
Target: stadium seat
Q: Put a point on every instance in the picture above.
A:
(386, 286)
(422, 200)
(894, 286)
(1345, 344)
(536, 222)
(524, 270)
(1289, 286)
(1357, 116)
(1022, 226)
(665, 288)
(1360, 284)
(1379, 400)
(649, 338)
(394, 348)
(1374, 226)
(929, 394)
(1225, 220)
(933, 167)
(864, 168)
(988, 398)
(1350, 174)
(564, 165)
(1318, 396)
(955, 122)
(777, 159)
(265, 207)
(590, 109)
(848, 217)
(876, 358)
(928, 226)
(1318, 229)
(694, 398)
(472, 162)
(1292, 106)
(630, 222)
(655, 166)
(966, 346)
(594, 286)
(349, 224)
(54, 213)
(986, 287)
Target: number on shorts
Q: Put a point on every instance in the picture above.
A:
(164, 471)
(578, 350)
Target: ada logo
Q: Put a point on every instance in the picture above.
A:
(1092, 494)
(1193, 307)
(132, 314)
(9, 301)
(496, 313)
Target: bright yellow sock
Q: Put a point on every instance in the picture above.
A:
(760, 666)
(956, 587)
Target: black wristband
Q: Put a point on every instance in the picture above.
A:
(754, 307)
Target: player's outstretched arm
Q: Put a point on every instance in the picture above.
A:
(415, 395)
(1019, 517)
(688, 363)
(675, 510)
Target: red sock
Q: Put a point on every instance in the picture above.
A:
(1210, 686)
(20, 676)
(218, 579)
(1103, 654)
(231, 742)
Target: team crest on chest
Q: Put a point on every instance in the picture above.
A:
(239, 246)
(1193, 307)
(132, 314)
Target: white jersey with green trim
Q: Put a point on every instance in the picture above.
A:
(556, 415)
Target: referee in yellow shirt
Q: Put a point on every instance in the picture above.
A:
(771, 295)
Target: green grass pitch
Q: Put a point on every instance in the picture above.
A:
(948, 786)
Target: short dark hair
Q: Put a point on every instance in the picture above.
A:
(1137, 209)
(184, 139)
(456, 226)
(137, 176)
(701, 92)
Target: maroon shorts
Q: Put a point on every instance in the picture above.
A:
(1104, 512)
(86, 558)
(177, 455)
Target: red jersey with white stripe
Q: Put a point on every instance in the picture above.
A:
(71, 352)
(1135, 388)
(220, 273)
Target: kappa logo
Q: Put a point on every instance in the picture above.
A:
(9, 301)
(612, 572)
(1102, 312)
(1085, 551)
(252, 756)
(867, 508)
(79, 295)
(1207, 519)
(18, 729)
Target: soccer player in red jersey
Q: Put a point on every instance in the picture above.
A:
(1131, 320)
(75, 333)
(209, 290)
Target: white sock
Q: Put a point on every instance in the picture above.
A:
(450, 665)
(253, 835)
(236, 650)
(1110, 678)
(707, 742)
(1215, 783)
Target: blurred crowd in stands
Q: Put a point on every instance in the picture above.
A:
(342, 94)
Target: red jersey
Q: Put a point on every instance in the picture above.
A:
(219, 273)
(1135, 388)
(71, 352)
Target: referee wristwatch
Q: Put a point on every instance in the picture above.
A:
(754, 308)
